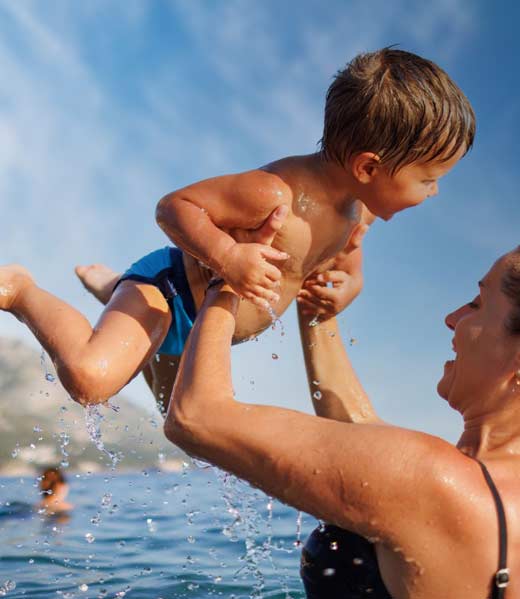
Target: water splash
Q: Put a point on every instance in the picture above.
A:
(298, 540)
(240, 501)
(6, 587)
(275, 321)
(93, 419)
(43, 362)
(64, 440)
(315, 321)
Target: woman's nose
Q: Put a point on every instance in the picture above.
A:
(453, 318)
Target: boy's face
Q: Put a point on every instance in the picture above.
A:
(388, 194)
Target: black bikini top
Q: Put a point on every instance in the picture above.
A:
(501, 578)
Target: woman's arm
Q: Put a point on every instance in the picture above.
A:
(361, 477)
(334, 387)
(333, 384)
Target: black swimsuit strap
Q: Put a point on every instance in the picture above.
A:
(501, 578)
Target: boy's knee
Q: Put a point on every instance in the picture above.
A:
(86, 381)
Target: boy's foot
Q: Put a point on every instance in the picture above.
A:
(13, 278)
(98, 279)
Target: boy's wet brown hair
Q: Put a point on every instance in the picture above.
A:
(511, 287)
(397, 105)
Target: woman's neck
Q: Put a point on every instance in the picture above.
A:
(494, 434)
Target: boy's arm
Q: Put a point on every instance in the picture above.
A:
(196, 219)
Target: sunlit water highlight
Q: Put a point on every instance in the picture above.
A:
(150, 536)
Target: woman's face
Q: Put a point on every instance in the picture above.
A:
(485, 353)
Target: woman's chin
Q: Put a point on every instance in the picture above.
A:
(443, 386)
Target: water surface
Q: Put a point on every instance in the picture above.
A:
(150, 535)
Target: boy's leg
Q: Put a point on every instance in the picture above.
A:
(92, 364)
(99, 280)
(160, 372)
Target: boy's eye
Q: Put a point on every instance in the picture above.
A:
(473, 305)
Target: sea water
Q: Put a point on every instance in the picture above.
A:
(150, 535)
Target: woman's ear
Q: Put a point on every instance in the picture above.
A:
(365, 166)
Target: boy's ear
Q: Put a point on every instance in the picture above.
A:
(364, 166)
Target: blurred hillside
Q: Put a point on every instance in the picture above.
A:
(40, 425)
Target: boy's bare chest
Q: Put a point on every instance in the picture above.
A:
(314, 233)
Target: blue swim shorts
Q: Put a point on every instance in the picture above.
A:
(164, 268)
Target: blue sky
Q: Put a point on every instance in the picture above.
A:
(105, 106)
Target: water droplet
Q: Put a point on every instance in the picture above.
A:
(353, 341)
(315, 321)
(333, 546)
(151, 525)
(90, 538)
(316, 382)
(329, 572)
(317, 395)
(106, 500)
(83, 587)
(190, 539)
(357, 561)
(274, 356)
(37, 428)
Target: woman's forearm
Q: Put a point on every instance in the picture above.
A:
(204, 376)
(333, 384)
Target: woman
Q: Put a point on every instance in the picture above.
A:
(428, 507)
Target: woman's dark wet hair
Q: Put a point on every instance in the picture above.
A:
(50, 478)
(398, 105)
(511, 287)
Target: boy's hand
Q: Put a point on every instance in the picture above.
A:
(316, 299)
(345, 277)
(247, 268)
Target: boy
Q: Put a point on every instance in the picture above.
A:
(394, 124)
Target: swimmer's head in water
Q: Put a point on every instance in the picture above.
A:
(50, 479)
(399, 106)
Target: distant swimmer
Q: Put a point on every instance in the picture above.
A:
(54, 490)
